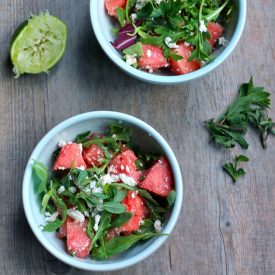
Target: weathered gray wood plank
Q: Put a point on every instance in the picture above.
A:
(223, 229)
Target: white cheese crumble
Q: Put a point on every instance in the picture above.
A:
(61, 189)
(140, 4)
(127, 180)
(149, 53)
(62, 143)
(158, 1)
(187, 44)
(97, 219)
(222, 41)
(72, 189)
(81, 167)
(133, 17)
(51, 217)
(76, 215)
(97, 190)
(130, 59)
(169, 43)
(202, 27)
(157, 225)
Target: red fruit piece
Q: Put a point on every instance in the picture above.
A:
(62, 232)
(134, 204)
(124, 163)
(215, 31)
(78, 242)
(70, 156)
(93, 155)
(183, 66)
(112, 5)
(152, 58)
(159, 179)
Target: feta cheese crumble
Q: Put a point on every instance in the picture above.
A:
(97, 219)
(169, 43)
(222, 41)
(72, 189)
(130, 59)
(202, 27)
(76, 215)
(51, 217)
(140, 4)
(61, 189)
(157, 225)
(127, 180)
(133, 17)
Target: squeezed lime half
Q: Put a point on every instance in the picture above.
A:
(38, 44)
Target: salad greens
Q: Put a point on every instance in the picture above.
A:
(85, 192)
(179, 20)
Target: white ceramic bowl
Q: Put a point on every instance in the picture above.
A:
(143, 135)
(102, 26)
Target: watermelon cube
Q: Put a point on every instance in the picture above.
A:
(93, 155)
(215, 31)
(70, 156)
(159, 178)
(152, 59)
(124, 163)
(183, 66)
(134, 204)
(78, 242)
(112, 5)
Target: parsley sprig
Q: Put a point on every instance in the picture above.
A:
(248, 109)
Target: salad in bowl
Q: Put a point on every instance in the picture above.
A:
(179, 36)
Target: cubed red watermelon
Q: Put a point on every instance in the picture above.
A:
(70, 156)
(62, 231)
(124, 163)
(159, 178)
(134, 204)
(78, 242)
(215, 31)
(112, 5)
(93, 155)
(153, 58)
(183, 66)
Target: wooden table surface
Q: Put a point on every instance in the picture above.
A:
(223, 228)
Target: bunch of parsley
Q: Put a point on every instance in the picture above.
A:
(248, 109)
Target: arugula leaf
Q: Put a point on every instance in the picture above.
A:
(130, 4)
(53, 226)
(120, 132)
(146, 195)
(121, 219)
(232, 168)
(80, 138)
(120, 244)
(171, 198)
(120, 13)
(104, 224)
(114, 207)
(135, 50)
(120, 196)
(42, 175)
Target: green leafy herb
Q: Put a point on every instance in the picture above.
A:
(249, 108)
(53, 226)
(42, 174)
(120, 244)
(120, 13)
(120, 196)
(121, 219)
(171, 198)
(114, 207)
(81, 138)
(135, 50)
(232, 168)
(130, 4)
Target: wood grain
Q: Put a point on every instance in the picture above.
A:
(223, 228)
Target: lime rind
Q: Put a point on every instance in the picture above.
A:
(38, 44)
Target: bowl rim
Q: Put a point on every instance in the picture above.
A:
(163, 79)
(157, 242)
